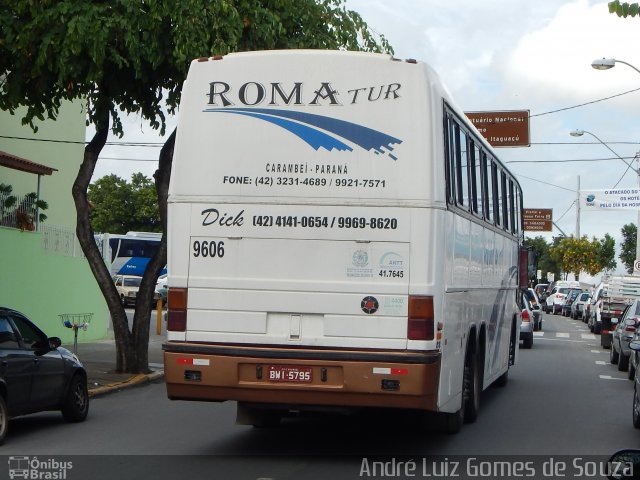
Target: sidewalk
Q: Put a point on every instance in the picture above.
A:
(99, 360)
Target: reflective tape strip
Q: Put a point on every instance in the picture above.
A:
(193, 361)
(390, 371)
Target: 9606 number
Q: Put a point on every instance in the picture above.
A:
(210, 249)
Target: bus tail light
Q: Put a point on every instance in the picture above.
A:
(177, 311)
(421, 321)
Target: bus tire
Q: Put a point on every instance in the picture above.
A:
(451, 423)
(4, 419)
(502, 380)
(471, 389)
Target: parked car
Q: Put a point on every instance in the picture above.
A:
(555, 299)
(536, 309)
(634, 358)
(568, 301)
(595, 322)
(541, 291)
(579, 304)
(622, 335)
(37, 374)
(526, 323)
(635, 346)
(161, 288)
(127, 286)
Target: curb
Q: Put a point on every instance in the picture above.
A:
(130, 382)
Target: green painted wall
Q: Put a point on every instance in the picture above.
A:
(35, 281)
(43, 286)
(65, 154)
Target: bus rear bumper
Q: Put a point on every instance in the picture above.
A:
(301, 377)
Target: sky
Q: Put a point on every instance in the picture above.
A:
(511, 55)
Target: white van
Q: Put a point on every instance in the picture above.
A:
(339, 236)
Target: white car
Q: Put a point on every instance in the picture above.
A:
(556, 299)
(127, 286)
(526, 323)
(161, 288)
(536, 308)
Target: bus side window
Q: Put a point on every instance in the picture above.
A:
(475, 172)
(461, 167)
(487, 191)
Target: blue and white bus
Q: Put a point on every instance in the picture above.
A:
(128, 254)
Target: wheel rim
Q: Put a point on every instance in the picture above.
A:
(80, 397)
(4, 421)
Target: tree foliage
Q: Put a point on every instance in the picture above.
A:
(119, 206)
(607, 253)
(541, 258)
(131, 56)
(570, 255)
(628, 246)
(624, 9)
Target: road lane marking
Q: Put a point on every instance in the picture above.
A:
(601, 362)
(562, 335)
(597, 351)
(588, 336)
(538, 334)
(562, 340)
(609, 377)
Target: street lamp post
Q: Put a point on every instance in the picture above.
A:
(579, 133)
(606, 64)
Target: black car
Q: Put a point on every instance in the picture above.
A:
(37, 374)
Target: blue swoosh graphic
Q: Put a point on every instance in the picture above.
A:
(366, 138)
(313, 137)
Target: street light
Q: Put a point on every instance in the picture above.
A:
(579, 133)
(606, 64)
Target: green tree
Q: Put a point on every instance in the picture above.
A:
(607, 253)
(575, 255)
(120, 207)
(131, 56)
(624, 9)
(628, 246)
(543, 260)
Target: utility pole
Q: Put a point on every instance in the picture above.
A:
(578, 212)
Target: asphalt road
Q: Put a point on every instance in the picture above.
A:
(563, 398)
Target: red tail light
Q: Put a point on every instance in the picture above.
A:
(525, 315)
(177, 314)
(421, 322)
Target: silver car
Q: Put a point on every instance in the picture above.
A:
(624, 332)
(578, 306)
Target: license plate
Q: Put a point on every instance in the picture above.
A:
(289, 374)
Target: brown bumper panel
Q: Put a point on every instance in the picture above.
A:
(302, 376)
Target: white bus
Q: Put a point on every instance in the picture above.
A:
(339, 236)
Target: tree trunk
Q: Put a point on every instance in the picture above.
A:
(125, 353)
(156, 264)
